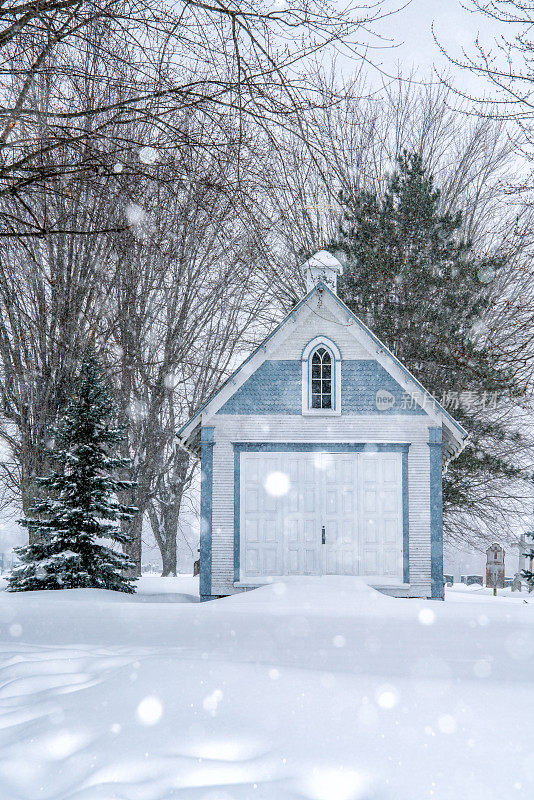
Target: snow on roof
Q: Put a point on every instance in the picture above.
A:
(324, 259)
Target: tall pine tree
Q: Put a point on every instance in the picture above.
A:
(420, 287)
(79, 510)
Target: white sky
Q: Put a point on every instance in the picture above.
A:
(455, 27)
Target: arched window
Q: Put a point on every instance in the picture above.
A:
(322, 377)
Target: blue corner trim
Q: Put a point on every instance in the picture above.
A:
(405, 520)
(207, 435)
(329, 447)
(206, 501)
(436, 514)
(238, 449)
(435, 435)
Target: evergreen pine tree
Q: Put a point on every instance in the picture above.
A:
(79, 508)
(419, 286)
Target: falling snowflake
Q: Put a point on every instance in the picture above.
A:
(426, 616)
(277, 484)
(486, 274)
(171, 380)
(149, 710)
(137, 410)
(135, 214)
(148, 155)
(387, 697)
(211, 702)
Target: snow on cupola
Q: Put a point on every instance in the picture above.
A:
(322, 267)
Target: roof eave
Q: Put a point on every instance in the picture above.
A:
(185, 427)
(453, 425)
(191, 442)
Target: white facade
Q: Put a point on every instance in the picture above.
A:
(277, 429)
(322, 455)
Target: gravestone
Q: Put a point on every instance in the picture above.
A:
(495, 567)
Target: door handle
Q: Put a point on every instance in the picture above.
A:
(323, 535)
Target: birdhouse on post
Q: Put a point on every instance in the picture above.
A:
(323, 267)
(495, 567)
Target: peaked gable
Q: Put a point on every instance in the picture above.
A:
(322, 302)
(328, 321)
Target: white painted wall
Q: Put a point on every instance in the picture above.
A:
(230, 428)
(332, 326)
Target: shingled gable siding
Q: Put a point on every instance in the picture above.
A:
(276, 388)
(281, 428)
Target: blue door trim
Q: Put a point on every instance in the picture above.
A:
(323, 447)
(238, 449)
(435, 445)
(328, 447)
(206, 506)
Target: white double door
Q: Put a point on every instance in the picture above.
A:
(311, 513)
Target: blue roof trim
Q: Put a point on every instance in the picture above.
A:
(248, 358)
(362, 325)
(396, 360)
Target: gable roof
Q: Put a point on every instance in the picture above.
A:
(458, 434)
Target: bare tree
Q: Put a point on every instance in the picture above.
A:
(179, 300)
(221, 61)
(356, 141)
(356, 138)
(49, 292)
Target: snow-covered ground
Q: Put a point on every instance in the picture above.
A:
(315, 688)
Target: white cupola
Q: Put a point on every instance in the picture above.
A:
(322, 267)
